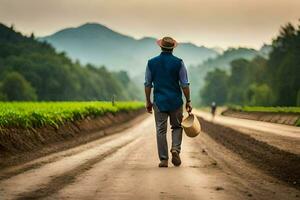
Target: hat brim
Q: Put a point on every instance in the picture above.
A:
(159, 43)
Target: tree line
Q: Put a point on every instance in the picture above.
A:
(32, 70)
(272, 81)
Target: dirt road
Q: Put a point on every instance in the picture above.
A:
(124, 166)
(277, 129)
(282, 136)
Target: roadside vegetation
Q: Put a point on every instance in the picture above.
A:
(281, 111)
(298, 122)
(295, 110)
(263, 81)
(34, 114)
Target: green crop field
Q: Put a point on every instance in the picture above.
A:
(37, 114)
(295, 110)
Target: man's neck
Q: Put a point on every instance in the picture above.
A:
(166, 52)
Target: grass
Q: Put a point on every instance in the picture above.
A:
(298, 122)
(38, 114)
(295, 110)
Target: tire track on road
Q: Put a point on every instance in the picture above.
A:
(39, 180)
(59, 182)
(280, 164)
(68, 148)
(5, 174)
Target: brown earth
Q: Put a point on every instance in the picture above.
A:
(280, 118)
(18, 145)
(124, 166)
(276, 162)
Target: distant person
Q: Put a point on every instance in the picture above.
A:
(168, 75)
(213, 108)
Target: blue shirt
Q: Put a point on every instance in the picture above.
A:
(183, 77)
(166, 73)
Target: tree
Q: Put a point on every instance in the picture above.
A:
(261, 95)
(32, 36)
(2, 96)
(56, 77)
(16, 88)
(215, 88)
(283, 66)
(238, 81)
(123, 77)
(265, 82)
(298, 98)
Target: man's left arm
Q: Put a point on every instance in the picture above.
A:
(148, 88)
(185, 85)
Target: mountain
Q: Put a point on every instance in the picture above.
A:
(218, 49)
(265, 50)
(33, 70)
(223, 61)
(99, 45)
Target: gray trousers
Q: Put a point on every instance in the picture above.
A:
(161, 121)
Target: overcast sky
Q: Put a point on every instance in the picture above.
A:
(211, 23)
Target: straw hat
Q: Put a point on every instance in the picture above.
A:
(167, 43)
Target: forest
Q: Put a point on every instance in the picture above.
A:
(32, 70)
(271, 81)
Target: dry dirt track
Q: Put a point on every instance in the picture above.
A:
(124, 166)
(281, 136)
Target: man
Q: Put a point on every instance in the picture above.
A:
(213, 108)
(168, 75)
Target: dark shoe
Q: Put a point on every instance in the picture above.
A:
(163, 163)
(175, 158)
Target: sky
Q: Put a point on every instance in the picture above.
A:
(212, 23)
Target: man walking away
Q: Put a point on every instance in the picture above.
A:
(168, 75)
(213, 109)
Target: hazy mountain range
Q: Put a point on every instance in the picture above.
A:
(99, 45)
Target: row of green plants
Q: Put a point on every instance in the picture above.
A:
(293, 110)
(266, 109)
(38, 114)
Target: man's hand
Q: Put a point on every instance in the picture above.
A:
(149, 106)
(188, 107)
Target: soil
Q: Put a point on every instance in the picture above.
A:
(19, 145)
(276, 162)
(280, 118)
(124, 166)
